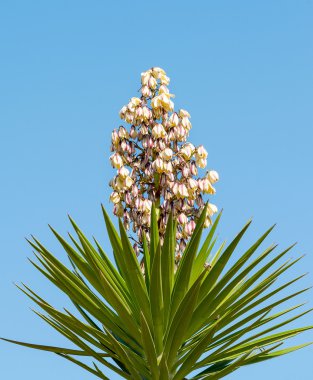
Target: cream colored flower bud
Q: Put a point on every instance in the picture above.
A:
(156, 102)
(201, 163)
(186, 123)
(115, 138)
(146, 113)
(182, 219)
(173, 120)
(187, 151)
(146, 92)
(145, 219)
(183, 113)
(158, 131)
(185, 171)
(164, 79)
(115, 197)
(147, 205)
(157, 71)
(122, 133)
(116, 160)
(122, 112)
(212, 209)
(133, 133)
(152, 83)
(128, 182)
(207, 187)
(213, 176)
(192, 185)
(201, 152)
(123, 172)
(180, 190)
(158, 165)
(207, 222)
(139, 113)
(145, 77)
(166, 154)
(134, 191)
(129, 117)
(168, 167)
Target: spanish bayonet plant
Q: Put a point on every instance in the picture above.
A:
(170, 305)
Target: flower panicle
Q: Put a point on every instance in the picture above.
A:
(155, 163)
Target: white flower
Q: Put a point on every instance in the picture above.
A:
(158, 165)
(123, 172)
(187, 151)
(166, 154)
(158, 131)
(201, 152)
(116, 160)
(115, 197)
(212, 209)
(183, 113)
(213, 176)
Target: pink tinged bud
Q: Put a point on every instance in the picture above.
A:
(115, 197)
(160, 144)
(115, 138)
(192, 184)
(129, 117)
(144, 130)
(146, 92)
(193, 168)
(182, 191)
(123, 172)
(189, 228)
(152, 83)
(128, 198)
(139, 113)
(186, 171)
(168, 168)
(122, 133)
(213, 176)
(123, 145)
(201, 152)
(116, 160)
(134, 191)
(136, 249)
(200, 201)
(123, 112)
(191, 202)
(182, 219)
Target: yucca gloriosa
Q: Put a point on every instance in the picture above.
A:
(165, 310)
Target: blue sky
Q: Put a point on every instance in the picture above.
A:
(243, 69)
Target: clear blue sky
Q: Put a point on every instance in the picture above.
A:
(243, 69)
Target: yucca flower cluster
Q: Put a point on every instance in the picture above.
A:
(155, 163)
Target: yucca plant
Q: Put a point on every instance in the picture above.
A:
(171, 305)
